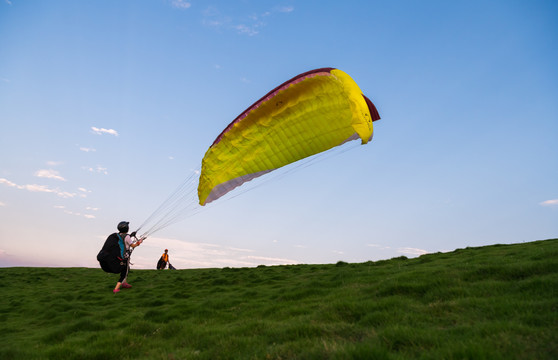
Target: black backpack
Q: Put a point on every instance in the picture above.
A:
(110, 257)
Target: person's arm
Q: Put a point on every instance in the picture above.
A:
(137, 243)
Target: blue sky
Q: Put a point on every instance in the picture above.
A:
(107, 106)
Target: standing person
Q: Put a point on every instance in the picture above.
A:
(162, 263)
(114, 257)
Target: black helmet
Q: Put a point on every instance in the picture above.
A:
(123, 226)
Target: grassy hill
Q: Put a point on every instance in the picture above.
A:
(494, 302)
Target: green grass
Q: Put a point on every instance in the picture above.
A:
(494, 302)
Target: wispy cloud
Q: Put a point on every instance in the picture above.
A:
(284, 9)
(87, 216)
(552, 202)
(2, 204)
(250, 30)
(49, 174)
(181, 4)
(411, 251)
(98, 169)
(69, 212)
(212, 17)
(83, 192)
(84, 149)
(203, 255)
(249, 25)
(101, 131)
(38, 188)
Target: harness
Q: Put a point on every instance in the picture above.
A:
(126, 253)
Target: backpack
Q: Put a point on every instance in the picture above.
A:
(112, 256)
(161, 264)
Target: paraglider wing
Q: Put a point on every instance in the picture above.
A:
(313, 112)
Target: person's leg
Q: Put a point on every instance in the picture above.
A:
(123, 275)
(125, 280)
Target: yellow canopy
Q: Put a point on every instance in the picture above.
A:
(313, 112)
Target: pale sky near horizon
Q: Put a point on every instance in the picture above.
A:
(105, 107)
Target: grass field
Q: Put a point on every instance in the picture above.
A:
(494, 302)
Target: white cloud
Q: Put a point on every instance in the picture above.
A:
(212, 17)
(64, 194)
(91, 208)
(249, 30)
(7, 182)
(181, 4)
(69, 212)
(38, 188)
(284, 9)
(83, 192)
(552, 202)
(101, 131)
(411, 251)
(87, 149)
(2, 204)
(250, 25)
(49, 174)
(185, 254)
(54, 163)
(98, 169)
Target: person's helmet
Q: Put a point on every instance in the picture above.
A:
(166, 250)
(123, 226)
